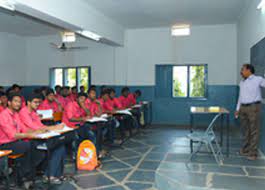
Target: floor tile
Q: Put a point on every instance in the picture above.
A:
(138, 186)
(114, 165)
(149, 165)
(143, 176)
(93, 181)
(119, 175)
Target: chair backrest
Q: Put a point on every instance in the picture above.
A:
(211, 125)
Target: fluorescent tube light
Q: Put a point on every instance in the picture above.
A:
(7, 4)
(90, 35)
(261, 5)
(180, 30)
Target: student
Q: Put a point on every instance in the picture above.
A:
(2, 89)
(106, 103)
(73, 94)
(64, 98)
(82, 89)
(12, 131)
(50, 102)
(114, 100)
(76, 114)
(57, 89)
(32, 122)
(124, 98)
(93, 104)
(3, 101)
(134, 96)
(95, 109)
(17, 89)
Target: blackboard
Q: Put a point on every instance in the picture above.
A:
(258, 60)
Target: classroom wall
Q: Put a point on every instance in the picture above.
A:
(251, 29)
(144, 48)
(12, 59)
(134, 64)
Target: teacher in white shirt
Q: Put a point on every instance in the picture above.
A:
(249, 110)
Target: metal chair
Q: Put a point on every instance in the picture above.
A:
(209, 139)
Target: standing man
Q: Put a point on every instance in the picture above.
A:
(249, 110)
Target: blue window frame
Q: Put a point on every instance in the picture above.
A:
(182, 81)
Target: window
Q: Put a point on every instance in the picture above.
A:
(70, 76)
(189, 81)
(181, 81)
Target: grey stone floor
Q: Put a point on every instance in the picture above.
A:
(156, 159)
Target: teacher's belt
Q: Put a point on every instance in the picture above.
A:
(250, 104)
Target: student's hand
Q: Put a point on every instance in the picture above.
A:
(40, 116)
(59, 126)
(236, 114)
(87, 118)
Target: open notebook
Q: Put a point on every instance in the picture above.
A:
(48, 135)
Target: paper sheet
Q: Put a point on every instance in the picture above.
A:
(126, 112)
(48, 135)
(46, 114)
(65, 129)
(97, 119)
(1, 152)
(137, 106)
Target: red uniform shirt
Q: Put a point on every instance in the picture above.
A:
(64, 101)
(73, 96)
(94, 107)
(2, 108)
(106, 105)
(10, 124)
(125, 101)
(132, 98)
(23, 102)
(116, 103)
(46, 105)
(31, 120)
(73, 110)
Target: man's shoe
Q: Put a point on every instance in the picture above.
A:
(252, 158)
(243, 153)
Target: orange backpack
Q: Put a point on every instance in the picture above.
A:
(87, 156)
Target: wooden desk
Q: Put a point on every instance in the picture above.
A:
(4, 168)
(54, 141)
(212, 111)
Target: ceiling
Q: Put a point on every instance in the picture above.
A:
(158, 13)
(24, 26)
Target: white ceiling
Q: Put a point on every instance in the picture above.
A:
(157, 13)
(23, 26)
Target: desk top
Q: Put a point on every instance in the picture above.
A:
(208, 110)
(5, 153)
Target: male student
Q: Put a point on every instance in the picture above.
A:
(3, 101)
(57, 89)
(124, 98)
(116, 103)
(32, 122)
(17, 89)
(64, 98)
(50, 102)
(2, 89)
(134, 96)
(12, 133)
(93, 104)
(82, 89)
(73, 94)
(76, 114)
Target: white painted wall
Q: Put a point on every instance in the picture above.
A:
(144, 48)
(41, 56)
(251, 29)
(12, 59)
(133, 64)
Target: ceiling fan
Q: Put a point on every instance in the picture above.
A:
(63, 47)
(67, 37)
